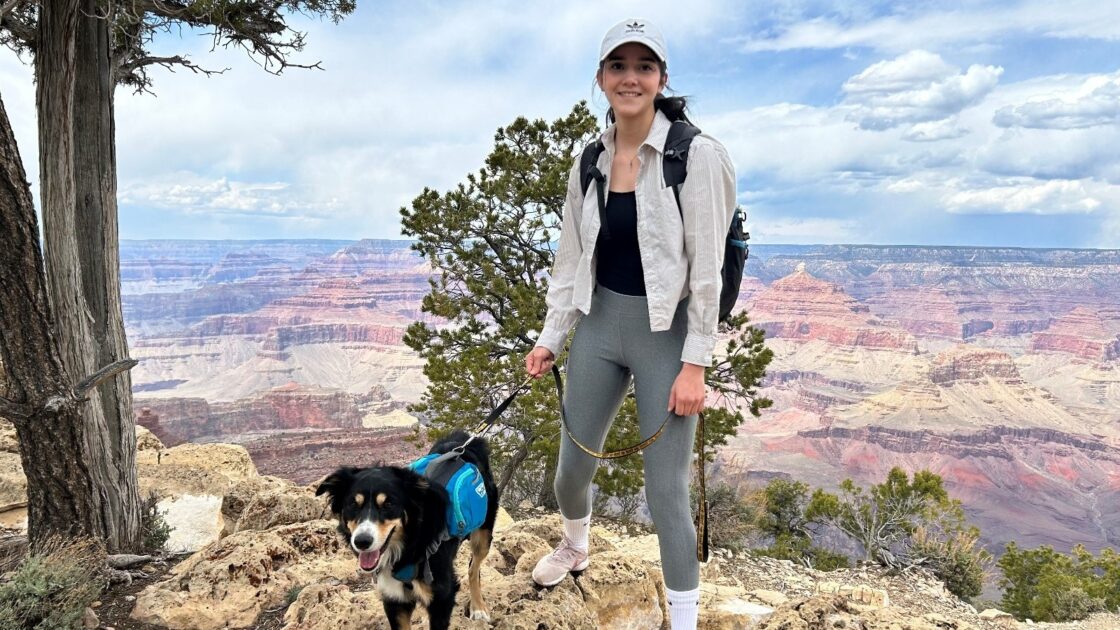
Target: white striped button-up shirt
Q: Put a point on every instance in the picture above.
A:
(679, 258)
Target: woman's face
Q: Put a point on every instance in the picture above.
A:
(631, 77)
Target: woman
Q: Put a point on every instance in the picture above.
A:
(645, 292)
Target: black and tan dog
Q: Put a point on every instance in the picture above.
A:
(392, 518)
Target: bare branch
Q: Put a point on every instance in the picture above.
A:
(8, 6)
(102, 375)
(17, 19)
(131, 71)
(14, 411)
(258, 26)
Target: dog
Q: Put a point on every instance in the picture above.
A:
(391, 517)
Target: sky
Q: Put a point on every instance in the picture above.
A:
(868, 122)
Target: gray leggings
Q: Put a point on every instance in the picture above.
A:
(611, 343)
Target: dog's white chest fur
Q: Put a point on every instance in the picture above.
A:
(394, 589)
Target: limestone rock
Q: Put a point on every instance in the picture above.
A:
(997, 616)
(8, 442)
(193, 469)
(334, 607)
(549, 528)
(264, 502)
(146, 440)
(620, 591)
(13, 483)
(229, 582)
(195, 521)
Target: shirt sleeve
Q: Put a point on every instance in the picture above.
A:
(707, 204)
(561, 314)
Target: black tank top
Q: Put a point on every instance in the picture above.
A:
(619, 265)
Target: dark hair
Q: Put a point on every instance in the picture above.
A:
(672, 106)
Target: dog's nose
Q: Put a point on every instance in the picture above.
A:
(363, 541)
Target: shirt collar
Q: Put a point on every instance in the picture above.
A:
(655, 138)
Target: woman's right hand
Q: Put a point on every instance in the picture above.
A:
(539, 361)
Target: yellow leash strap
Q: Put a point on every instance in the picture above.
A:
(701, 509)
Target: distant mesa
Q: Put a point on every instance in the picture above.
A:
(801, 306)
(969, 363)
(1082, 332)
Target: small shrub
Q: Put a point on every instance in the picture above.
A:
(732, 519)
(955, 559)
(52, 589)
(800, 550)
(154, 530)
(1072, 605)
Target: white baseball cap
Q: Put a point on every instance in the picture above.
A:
(638, 31)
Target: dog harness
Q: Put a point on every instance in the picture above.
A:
(466, 508)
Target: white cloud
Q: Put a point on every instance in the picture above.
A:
(1096, 101)
(916, 87)
(190, 194)
(933, 131)
(805, 230)
(941, 26)
(1047, 197)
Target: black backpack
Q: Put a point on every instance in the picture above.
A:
(674, 167)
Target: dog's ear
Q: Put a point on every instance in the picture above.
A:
(337, 486)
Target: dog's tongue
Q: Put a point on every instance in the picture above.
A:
(368, 559)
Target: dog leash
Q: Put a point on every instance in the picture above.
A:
(701, 508)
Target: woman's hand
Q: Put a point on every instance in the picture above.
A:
(687, 396)
(539, 361)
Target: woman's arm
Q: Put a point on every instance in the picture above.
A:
(707, 204)
(561, 314)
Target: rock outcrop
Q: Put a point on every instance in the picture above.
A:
(802, 307)
(1082, 333)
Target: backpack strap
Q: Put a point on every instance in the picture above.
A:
(674, 158)
(588, 171)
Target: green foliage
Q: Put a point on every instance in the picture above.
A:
(886, 514)
(786, 522)
(733, 516)
(955, 558)
(491, 243)
(785, 508)
(52, 589)
(1045, 585)
(799, 549)
(154, 529)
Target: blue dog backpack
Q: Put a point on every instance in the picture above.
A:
(465, 487)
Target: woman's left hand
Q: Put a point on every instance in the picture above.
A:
(687, 396)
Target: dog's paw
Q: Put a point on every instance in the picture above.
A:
(480, 615)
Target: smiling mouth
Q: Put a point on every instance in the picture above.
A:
(369, 559)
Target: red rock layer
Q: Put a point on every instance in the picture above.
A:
(969, 363)
(307, 457)
(289, 407)
(800, 306)
(1083, 333)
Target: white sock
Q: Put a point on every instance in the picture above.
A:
(577, 531)
(684, 606)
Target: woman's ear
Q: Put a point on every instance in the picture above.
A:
(599, 78)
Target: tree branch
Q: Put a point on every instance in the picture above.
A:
(20, 26)
(133, 65)
(8, 6)
(14, 411)
(102, 375)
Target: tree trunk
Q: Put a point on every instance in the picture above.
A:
(37, 399)
(78, 186)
